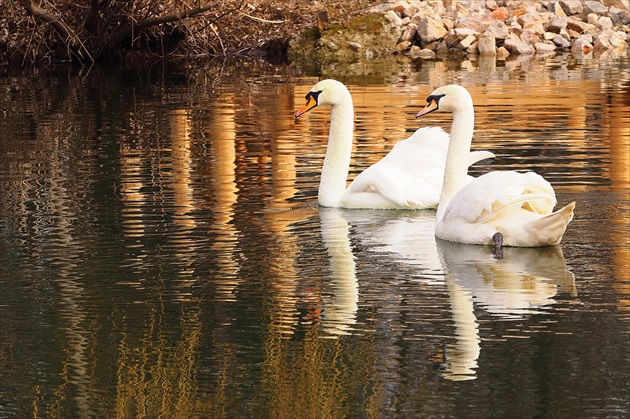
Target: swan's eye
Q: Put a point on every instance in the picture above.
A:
(313, 95)
(435, 98)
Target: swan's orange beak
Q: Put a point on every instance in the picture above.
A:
(431, 106)
(310, 104)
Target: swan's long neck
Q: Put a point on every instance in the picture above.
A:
(337, 161)
(456, 170)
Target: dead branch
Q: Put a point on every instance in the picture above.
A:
(67, 34)
(131, 27)
(258, 19)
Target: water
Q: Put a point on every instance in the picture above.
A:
(150, 265)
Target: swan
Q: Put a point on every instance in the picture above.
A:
(502, 207)
(408, 177)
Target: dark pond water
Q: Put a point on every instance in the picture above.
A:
(150, 265)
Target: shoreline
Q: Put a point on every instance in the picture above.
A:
(300, 32)
(451, 29)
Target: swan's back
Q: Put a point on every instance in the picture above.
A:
(494, 191)
(410, 175)
(518, 205)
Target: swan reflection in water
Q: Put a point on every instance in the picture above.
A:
(340, 312)
(524, 282)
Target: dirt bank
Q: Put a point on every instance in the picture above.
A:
(55, 31)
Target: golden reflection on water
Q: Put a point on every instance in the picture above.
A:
(225, 193)
(579, 131)
(548, 117)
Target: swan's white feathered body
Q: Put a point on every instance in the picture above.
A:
(410, 176)
(517, 205)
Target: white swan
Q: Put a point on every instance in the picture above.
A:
(518, 206)
(409, 176)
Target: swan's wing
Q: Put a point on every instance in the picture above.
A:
(411, 173)
(494, 193)
(476, 156)
(400, 186)
(426, 150)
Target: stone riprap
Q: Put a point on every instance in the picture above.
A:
(435, 28)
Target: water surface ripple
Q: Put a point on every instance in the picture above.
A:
(161, 253)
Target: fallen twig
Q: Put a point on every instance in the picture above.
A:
(257, 19)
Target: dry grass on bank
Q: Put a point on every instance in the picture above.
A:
(48, 31)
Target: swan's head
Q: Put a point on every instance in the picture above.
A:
(326, 92)
(452, 98)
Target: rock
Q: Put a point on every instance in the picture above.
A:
(328, 44)
(556, 9)
(602, 44)
(430, 30)
(556, 24)
(448, 24)
(591, 18)
(436, 5)
(409, 33)
(617, 40)
(570, 34)
(566, 35)
(461, 9)
(442, 47)
(467, 41)
(604, 22)
(561, 41)
(472, 48)
(578, 25)
(498, 30)
(491, 5)
(532, 22)
(581, 46)
(620, 4)
(542, 47)
(355, 46)
(403, 46)
(518, 47)
(529, 37)
(501, 14)
(619, 16)
(463, 32)
(457, 35)
(393, 18)
(502, 53)
(473, 21)
(487, 45)
(522, 27)
(400, 6)
(593, 7)
(424, 10)
(410, 11)
(426, 54)
(571, 7)
(586, 37)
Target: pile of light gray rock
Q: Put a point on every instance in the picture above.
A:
(493, 27)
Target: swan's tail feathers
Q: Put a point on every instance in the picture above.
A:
(477, 156)
(550, 229)
(536, 202)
